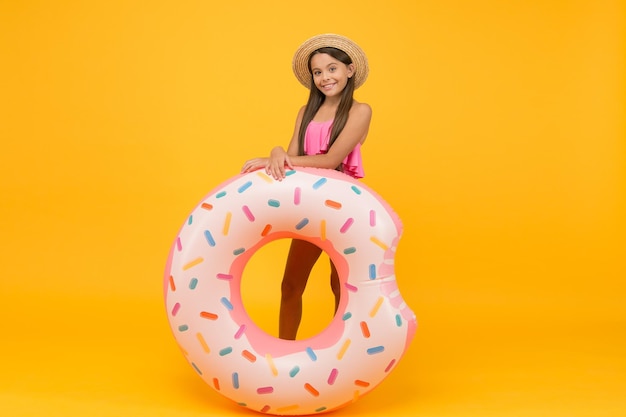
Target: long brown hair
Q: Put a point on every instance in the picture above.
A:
(316, 99)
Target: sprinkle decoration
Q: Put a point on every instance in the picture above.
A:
(209, 238)
(244, 187)
(207, 315)
(319, 183)
(346, 225)
(297, 192)
(302, 223)
(272, 365)
(248, 213)
(193, 263)
(265, 390)
(266, 230)
(203, 343)
(311, 354)
(227, 220)
(249, 356)
(311, 390)
(332, 204)
(175, 309)
(333, 376)
(242, 329)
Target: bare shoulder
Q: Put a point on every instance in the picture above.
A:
(361, 110)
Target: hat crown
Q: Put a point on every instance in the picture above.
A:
(300, 62)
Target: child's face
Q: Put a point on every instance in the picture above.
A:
(330, 75)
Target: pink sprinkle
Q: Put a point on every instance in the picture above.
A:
(372, 218)
(224, 276)
(265, 390)
(346, 225)
(333, 376)
(248, 213)
(175, 309)
(351, 287)
(388, 368)
(265, 409)
(179, 245)
(296, 196)
(240, 331)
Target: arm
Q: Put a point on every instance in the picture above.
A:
(274, 165)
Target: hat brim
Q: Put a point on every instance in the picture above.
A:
(300, 62)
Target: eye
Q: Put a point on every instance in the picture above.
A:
(316, 73)
(332, 69)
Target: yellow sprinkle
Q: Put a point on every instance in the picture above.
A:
(356, 396)
(193, 263)
(229, 215)
(287, 408)
(270, 362)
(343, 349)
(205, 347)
(323, 229)
(264, 176)
(378, 242)
(376, 306)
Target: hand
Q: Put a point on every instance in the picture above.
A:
(277, 162)
(254, 164)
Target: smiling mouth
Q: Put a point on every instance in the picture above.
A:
(328, 86)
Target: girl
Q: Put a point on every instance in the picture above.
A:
(329, 132)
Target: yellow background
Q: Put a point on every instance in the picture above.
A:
(498, 136)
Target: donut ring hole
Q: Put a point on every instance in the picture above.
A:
(261, 290)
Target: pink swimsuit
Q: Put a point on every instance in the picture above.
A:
(316, 143)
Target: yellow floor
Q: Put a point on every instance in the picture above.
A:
(114, 356)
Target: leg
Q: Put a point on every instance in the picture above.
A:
(301, 259)
(334, 284)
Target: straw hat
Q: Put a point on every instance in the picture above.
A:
(301, 57)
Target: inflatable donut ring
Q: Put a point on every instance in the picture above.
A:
(370, 332)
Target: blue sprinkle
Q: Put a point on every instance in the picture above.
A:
(226, 303)
(318, 410)
(196, 368)
(273, 203)
(311, 354)
(356, 189)
(290, 172)
(346, 316)
(193, 283)
(319, 183)
(398, 320)
(190, 220)
(209, 238)
(302, 223)
(236, 380)
(242, 404)
(226, 351)
(372, 271)
(294, 371)
(183, 328)
(238, 251)
(375, 350)
(244, 187)
(220, 194)
(348, 251)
